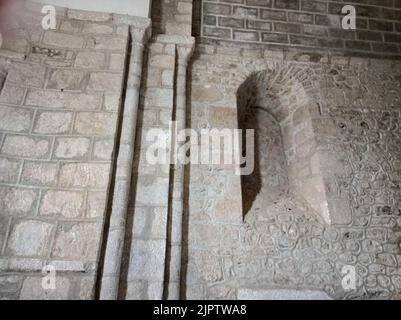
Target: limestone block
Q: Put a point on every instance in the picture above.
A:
(53, 122)
(85, 175)
(71, 148)
(96, 204)
(62, 203)
(15, 119)
(11, 94)
(90, 60)
(103, 149)
(77, 241)
(30, 238)
(17, 201)
(9, 170)
(66, 79)
(105, 81)
(91, 123)
(39, 173)
(147, 260)
(27, 75)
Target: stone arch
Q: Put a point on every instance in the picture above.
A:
(287, 96)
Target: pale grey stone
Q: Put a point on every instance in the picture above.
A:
(17, 201)
(30, 238)
(15, 119)
(65, 203)
(32, 289)
(53, 122)
(71, 148)
(77, 241)
(85, 175)
(26, 146)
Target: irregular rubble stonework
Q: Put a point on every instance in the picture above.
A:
(283, 244)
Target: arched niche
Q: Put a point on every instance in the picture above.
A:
(277, 102)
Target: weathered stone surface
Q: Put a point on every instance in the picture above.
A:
(17, 201)
(9, 170)
(105, 81)
(53, 122)
(103, 149)
(32, 289)
(15, 119)
(85, 175)
(26, 146)
(65, 203)
(102, 124)
(71, 148)
(96, 204)
(39, 173)
(77, 241)
(90, 60)
(30, 238)
(66, 79)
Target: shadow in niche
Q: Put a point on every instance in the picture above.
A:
(250, 184)
(268, 183)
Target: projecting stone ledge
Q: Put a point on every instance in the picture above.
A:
(282, 294)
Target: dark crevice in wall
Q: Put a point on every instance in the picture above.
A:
(110, 192)
(171, 190)
(128, 241)
(187, 174)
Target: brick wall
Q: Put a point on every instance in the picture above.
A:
(303, 23)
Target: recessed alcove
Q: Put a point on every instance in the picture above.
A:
(286, 159)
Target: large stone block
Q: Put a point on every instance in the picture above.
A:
(147, 261)
(77, 241)
(26, 146)
(39, 173)
(53, 122)
(90, 123)
(30, 238)
(27, 75)
(62, 203)
(71, 148)
(84, 175)
(9, 170)
(17, 201)
(105, 81)
(66, 79)
(90, 60)
(15, 119)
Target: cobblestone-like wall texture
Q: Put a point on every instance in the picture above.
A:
(302, 23)
(281, 243)
(59, 104)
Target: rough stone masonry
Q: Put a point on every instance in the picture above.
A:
(78, 194)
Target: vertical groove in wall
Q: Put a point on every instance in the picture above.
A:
(114, 169)
(171, 187)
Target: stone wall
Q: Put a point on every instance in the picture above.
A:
(302, 23)
(283, 244)
(59, 110)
